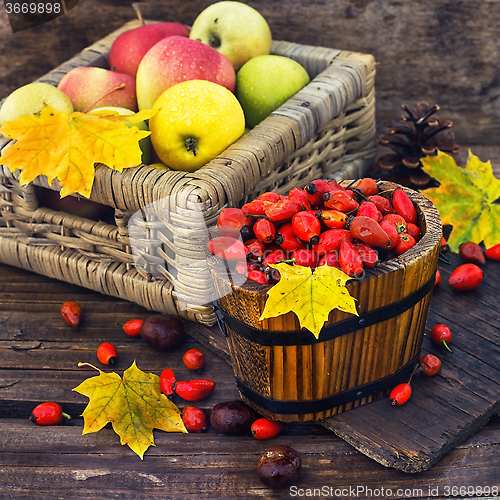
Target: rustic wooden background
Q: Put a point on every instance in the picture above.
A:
(443, 51)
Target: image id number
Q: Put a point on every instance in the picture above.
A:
(463, 491)
(33, 8)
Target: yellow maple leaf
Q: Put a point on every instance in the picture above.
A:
(310, 295)
(67, 148)
(134, 406)
(465, 199)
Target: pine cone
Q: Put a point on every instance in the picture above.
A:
(417, 135)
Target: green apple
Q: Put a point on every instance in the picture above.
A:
(31, 99)
(235, 29)
(264, 83)
(196, 120)
(144, 144)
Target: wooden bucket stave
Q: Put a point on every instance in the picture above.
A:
(273, 377)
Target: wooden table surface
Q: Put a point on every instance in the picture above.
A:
(39, 355)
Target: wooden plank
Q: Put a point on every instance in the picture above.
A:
(445, 410)
(216, 466)
(58, 462)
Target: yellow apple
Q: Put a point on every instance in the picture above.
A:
(195, 121)
(31, 99)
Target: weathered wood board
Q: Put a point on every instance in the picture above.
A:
(39, 353)
(443, 410)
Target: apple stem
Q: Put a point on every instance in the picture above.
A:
(137, 9)
(191, 145)
(214, 42)
(121, 86)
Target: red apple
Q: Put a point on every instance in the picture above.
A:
(90, 87)
(176, 59)
(131, 46)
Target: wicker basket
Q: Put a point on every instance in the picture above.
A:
(325, 130)
(286, 374)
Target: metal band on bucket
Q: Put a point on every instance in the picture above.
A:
(304, 337)
(340, 399)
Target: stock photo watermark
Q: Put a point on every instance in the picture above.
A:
(26, 14)
(361, 491)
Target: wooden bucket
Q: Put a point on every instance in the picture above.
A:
(286, 374)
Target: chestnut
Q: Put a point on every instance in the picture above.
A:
(279, 466)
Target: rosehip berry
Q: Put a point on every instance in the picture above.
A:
(255, 208)
(430, 365)
(243, 267)
(369, 209)
(330, 259)
(48, 414)
(369, 232)
(107, 353)
(228, 248)
(404, 206)
(444, 245)
(315, 191)
(493, 252)
(367, 186)
(306, 227)
(330, 240)
(194, 419)
(400, 394)
(256, 248)
(405, 242)
(340, 200)
(441, 335)
(438, 279)
(332, 218)
(413, 230)
(349, 259)
(398, 220)
(368, 255)
(287, 239)
(194, 359)
(383, 204)
(194, 390)
(257, 277)
(269, 196)
(391, 229)
(299, 196)
(466, 277)
(264, 428)
(167, 382)
(282, 210)
(471, 252)
(233, 222)
(264, 230)
(274, 257)
(132, 327)
(306, 258)
(71, 313)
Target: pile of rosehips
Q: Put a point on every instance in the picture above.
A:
(324, 223)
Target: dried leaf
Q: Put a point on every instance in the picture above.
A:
(465, 199)
(310, 295)
(67, 147)
(134, 406)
